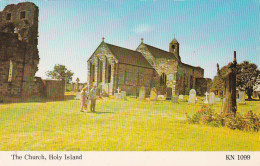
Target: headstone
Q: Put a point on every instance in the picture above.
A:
(123, 95)
(218, 99)
(118, 94)
(192, 96)
(206, 98)
(168, 93)
(153, 94)
(160, 96)
(142, 92)
(181, 97)
(212, 98)
(241, 99)
(174, 99)
(77, 96)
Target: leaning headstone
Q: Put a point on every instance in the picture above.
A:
(142, 92)
(123, 95)
(153, 94)
(181, 97)
(212, 98)
(192, 96)
(169, 94)
(174, 99)
(241, 99)
(206, 98)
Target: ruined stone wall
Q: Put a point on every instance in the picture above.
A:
(134, 77)
(98, 66)
(22, 20)
(11, 51)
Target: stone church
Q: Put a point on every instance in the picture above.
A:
(112, 67)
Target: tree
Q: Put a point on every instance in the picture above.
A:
(217, 83)
(247, 74)
(60, 72)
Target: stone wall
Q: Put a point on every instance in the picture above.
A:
(54, 89)
(187, 78)
(204, 85)
(18, 50)
(99, 65)
(131, 77)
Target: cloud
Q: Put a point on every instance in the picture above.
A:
(142, 28)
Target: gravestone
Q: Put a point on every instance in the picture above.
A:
(181, 97)
(142, 92)
(174, 99)
(218, 99)
(241, 99)
(212, 98)
(206, 98)
(169, 94)
(77, 96)
(123, 95)
(160, 96)
(153, 94)
(192, 96)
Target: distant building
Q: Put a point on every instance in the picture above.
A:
(111, 67)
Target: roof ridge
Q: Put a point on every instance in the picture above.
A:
(121, 47)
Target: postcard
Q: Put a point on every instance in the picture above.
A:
(121, 82)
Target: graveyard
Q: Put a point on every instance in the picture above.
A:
(129, 124)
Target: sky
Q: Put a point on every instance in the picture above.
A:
(208, 30)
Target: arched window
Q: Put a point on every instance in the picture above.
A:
(10, 75)
(163, 79)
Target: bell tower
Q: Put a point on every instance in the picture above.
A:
(174, 48)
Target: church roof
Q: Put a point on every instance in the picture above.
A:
(158, 53)
(127, 56)
(174, 41)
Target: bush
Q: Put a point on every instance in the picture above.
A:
(206, 115)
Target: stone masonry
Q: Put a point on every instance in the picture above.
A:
(111, 67)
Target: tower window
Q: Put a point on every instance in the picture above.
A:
(8, 16)
(22, 15)
(173, 46)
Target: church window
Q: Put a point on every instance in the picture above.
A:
(8, 16)
(22, 15)
(10, 75)
(163, 79)
(109, 74)
(93, 73)
(100, 70)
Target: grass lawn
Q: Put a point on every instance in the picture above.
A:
(118, 125)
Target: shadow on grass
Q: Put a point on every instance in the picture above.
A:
(10, 100)
(100, 112)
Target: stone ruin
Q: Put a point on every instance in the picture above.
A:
(19, 55)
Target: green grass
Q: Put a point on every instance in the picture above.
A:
(119, 125)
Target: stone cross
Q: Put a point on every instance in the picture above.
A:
(118, 90)
(206, 100)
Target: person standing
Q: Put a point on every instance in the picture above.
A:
(83, 99)
(93, 97)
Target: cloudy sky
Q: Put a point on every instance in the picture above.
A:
(208, 31)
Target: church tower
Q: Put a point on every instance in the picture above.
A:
(174, 48)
